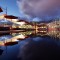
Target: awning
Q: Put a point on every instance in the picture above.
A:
(10, 17)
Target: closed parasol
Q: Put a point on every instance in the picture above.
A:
(1, 9)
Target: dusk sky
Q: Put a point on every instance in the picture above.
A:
(43, 9)
(11, 5)
(35, 9)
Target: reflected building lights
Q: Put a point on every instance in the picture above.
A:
(42, 29)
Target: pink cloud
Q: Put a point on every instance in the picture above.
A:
(40, 8)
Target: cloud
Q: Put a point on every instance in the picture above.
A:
(37, 48)
(43, 9)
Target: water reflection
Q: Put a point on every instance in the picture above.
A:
(13, 44)
(1, 51)
(14, 38)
